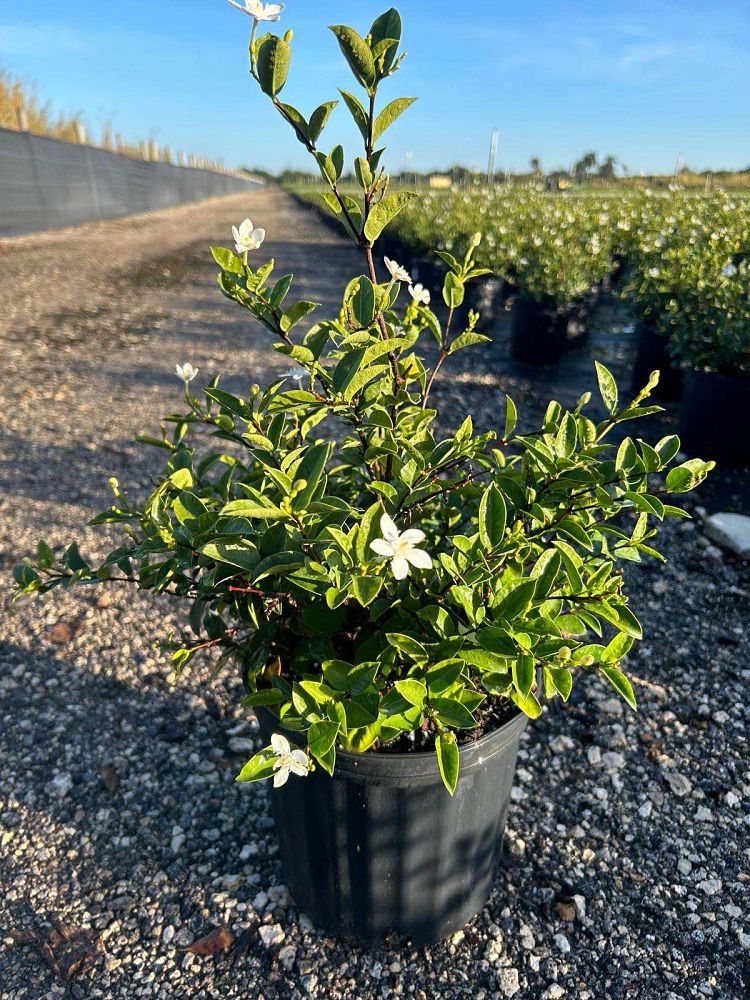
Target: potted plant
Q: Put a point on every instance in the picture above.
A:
(708, 320)
(656, 241)
(555, 254)
(398, 601)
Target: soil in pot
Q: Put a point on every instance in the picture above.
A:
(652, 355)
(383, 847)
(538, 332)
(714, 418)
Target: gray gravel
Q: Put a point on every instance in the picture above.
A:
(627, 851)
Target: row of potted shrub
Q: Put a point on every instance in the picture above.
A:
(679, 261)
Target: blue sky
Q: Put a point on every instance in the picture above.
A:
(646, 81)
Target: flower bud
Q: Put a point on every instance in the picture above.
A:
(564, 653)
(298, 486)
(587, 660)
(476, 239)
(289, 36)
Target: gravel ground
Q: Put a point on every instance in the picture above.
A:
(123, 836)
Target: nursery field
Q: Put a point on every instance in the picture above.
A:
(124, 837)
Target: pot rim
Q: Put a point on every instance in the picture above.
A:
(421, 764)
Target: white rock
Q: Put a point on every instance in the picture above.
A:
(594, 755)
(645, 809)
(732, 799)
(703, 814)
(508, 982)
(167, 935)
(177, 841)
(554, 992)
(271, 935)
(684, 867)
(247, 851)
(679, 784)
(260, 902)
(580, 904)
(288, 956)
(62, 783)
(612, 760)
(731, 531)
(279, 895)
(562, 943)
(241, 744)
(709, 886)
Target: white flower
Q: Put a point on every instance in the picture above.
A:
(654, 272)
(298, 374)
(260, 11)
(396, 271)
(186, 372)
(246, 237)
(420, 294)
(730, 270)
(399, 547)
(287, 761)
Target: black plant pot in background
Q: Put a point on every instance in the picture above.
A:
(652, 355)
(383, 847)
(577, 327)
(714, 418)
(538, 332)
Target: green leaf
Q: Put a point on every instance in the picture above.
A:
(295, 313)
(618, 647)
(516, 601)
(468, 340)
(389, 114)
(228, 260)
(560, 679)
(258, 767)
(357, 53)
(358, 113)
(385, 211)
(321, 737)
(363, 301)
(567, 436)
(366, 588)
(527, 703)
(607, 387)
(274, 57)
(620, 616)
(311, 469)
(243, 555)
(620, 683)
(446, 748)
(523, 673)
(443, 675)
(511, 417)
(493, 515)
(406, 645)
(347, 368)
(451, 712)
(279, 562)
(413, 691)
(319, 119)
(251, 508)
(453, 290)
(689, 475)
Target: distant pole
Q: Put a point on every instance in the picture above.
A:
(23, 120)
(80, 129)
(677, 168)
(493, 155)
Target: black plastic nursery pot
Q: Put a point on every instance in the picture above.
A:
(714, 418)
(381, 846)
(652, 355)
(538, 332)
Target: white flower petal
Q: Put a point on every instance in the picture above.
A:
(413, 536)
(281, 777)
(419, 558)
(280, 744)
(299, 758)
(400, 567)
(382, 547)
(389, 529)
